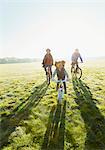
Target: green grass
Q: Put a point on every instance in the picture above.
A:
(31, 118)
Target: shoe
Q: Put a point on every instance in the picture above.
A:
(65, 92)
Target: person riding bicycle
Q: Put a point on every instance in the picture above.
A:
(75, 57)
(61, 74)
(48, 61)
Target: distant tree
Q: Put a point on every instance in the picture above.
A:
(9, 60)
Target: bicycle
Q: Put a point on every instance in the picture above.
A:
(76, 71)
(60, 89)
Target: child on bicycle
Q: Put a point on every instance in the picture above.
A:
(61, 74)
(48, 61)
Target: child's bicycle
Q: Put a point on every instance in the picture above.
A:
(60, 89)
(76, 72)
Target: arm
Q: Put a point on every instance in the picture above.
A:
(80, 58)
(52, 59)
(44, 60)
(55, 72)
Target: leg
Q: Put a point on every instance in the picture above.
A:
(72, 64)
(64, 83)
(51, 71)
(77, 67)
(45, 69)
(73, 67)
(57, 86)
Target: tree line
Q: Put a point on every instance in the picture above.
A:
(9, 60)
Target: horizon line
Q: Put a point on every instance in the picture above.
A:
(42, 58)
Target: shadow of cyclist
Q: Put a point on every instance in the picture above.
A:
(93, 119)
(54, 136)
(8, 123)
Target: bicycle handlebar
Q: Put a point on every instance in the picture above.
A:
(60, 81)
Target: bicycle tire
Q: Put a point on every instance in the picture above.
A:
(73, 71)
(79, 73)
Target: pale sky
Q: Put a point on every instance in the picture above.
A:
(28, 27)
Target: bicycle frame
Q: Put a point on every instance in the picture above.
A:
(48, 74)
(60, 90)
(76, 71)
(48, 69)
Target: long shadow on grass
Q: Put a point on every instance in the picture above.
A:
(54, 136)
(21, 112)
(93, 119)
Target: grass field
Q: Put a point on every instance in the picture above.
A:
(31, 119)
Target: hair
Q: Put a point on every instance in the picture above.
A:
(48, 50)
(77, 50)
(63, 62)
(57, 63)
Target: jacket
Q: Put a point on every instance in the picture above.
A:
(48, 60)
(60, 74)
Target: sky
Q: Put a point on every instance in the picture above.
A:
(28, 27)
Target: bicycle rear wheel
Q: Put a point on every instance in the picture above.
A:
(78, 73)
(73, 71)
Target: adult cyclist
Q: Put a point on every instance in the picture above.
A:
(74, 58)
(48, 61)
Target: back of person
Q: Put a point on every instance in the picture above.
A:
(60, 73)
(75, 56)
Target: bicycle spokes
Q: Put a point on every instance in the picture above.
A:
(79, 73)
(76, 72)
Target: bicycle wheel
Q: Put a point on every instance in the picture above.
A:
(78, 73)
(60, 94)
(73, 71)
